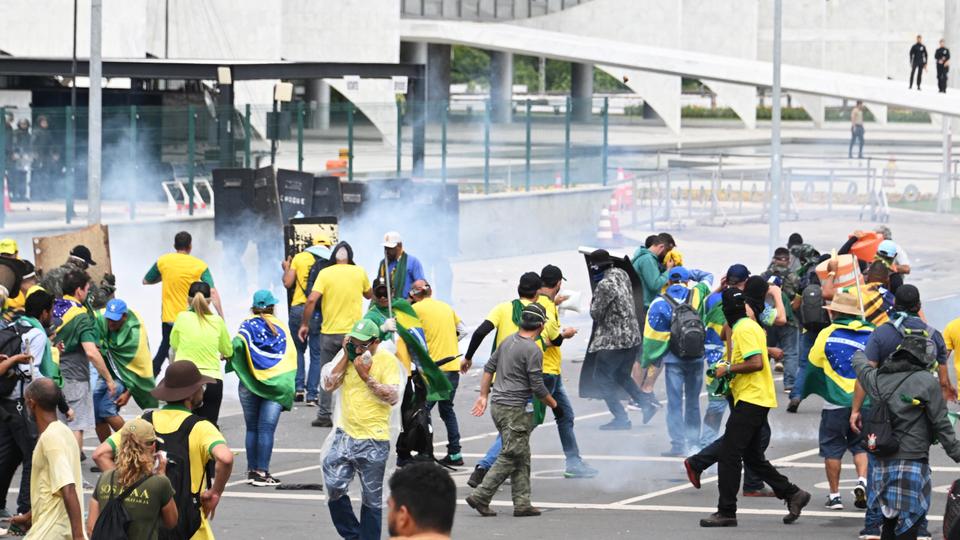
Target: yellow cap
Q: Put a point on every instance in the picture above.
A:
(8, 246)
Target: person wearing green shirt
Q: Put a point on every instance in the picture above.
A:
(202, 338)
(653, 277)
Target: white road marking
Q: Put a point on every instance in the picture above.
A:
(667, 491)
(278, 474)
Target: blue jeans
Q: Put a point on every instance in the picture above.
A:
(806, 343)
(786, 338)
(103, 403)
(312, 375)
(568, 439)
(449, 415)
(712, 419)
(346, 458)
(261, 417)
(491, 456)
(684, 379)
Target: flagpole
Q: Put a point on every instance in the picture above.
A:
(386, 279)
(856, 275)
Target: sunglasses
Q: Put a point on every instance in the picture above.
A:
(360, 345)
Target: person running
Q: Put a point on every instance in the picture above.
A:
(141, 474)
(264, 360)
(177, 272)
(342, 286)
(123, 342)
(518, 364)
(404, 268)
(296, 278)
(182, 390)
(77, 337)
(422, 503)
(443, 330)
(79, 259)
(56, 482)
(830, 377)
(753, 395)
(369, 378)
(201, 337)
(653, 278)
(785, 336)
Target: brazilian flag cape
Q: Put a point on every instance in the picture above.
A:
(75, 321)
(830, 371)
(265, 359)
(50, 363)
(410, 330)
(656, 331)
(128, 357)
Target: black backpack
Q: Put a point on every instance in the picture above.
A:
(319, 263)
(812, 314)
(951, 514)
(177, 447)
(687, 331)
(114, 520)
(11, 343)
(878, 435)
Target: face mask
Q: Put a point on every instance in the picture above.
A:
(351, 351)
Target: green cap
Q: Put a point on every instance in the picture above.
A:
(365, 330)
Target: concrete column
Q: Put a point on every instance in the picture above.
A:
(438, 80)
(318, 97)
(501, 85)
(581, 90)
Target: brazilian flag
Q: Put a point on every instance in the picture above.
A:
(128, 354)
(830, 371)
(265, 359)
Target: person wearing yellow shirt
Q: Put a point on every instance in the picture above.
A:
(443, 330)
(177, 271)
(342, 286)
(296, 274)
(368, 377)
(951, 336)
(753, 394)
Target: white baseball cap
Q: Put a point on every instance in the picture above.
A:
(391, 239)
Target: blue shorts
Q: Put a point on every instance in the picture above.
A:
(836, 437)
(103, 405)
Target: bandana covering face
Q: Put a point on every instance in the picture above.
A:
(734, 307)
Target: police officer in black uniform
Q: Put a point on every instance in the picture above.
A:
(942, 56)
(918, 60)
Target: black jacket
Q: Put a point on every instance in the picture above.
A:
(942, 55)
(918, 54)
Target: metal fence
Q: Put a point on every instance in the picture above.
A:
(484, 10)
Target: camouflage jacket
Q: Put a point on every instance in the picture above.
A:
(99, 295)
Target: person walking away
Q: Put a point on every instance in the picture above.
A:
(139, 484)
(918, 60)
(856, 130)
(754, 395)
(369, 379)
(77, 338)
(80, 259)
(264, 359)
(404, 268)
(123, 342)
(188, 440)
(201, 337)
(831, 378)
(342, 286)
(652, 278)
(422, 503)
(56, 504)
(518, 364)
(785, 336)
(674, 336)
(177, 272)
(22, 158)
(616, 338)
(296, 278)
(942, 56)
(443, 330)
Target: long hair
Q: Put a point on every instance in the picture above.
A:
(201, 307)
(260, 312)
(134, 460)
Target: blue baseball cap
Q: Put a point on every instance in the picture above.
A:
(887, 249)
(115, 310)
(679, 274)
(264, 299)
(737, 273)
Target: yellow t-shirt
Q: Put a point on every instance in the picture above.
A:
(502, 318)
(16, 303)
(176, 272)
(203, 343)
(440, 327)
(56, 463)
(364, 415)
(757, 388)
(203, 439)
(301, 264)
(951, 336)
(342, 287)
(551, 356)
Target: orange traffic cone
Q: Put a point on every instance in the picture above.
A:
(620, 174)
(557, 181)
(604, 229)
(614, 219)
(7, 207)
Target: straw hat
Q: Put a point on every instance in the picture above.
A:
(844, 302)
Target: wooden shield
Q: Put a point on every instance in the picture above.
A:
(50, 252)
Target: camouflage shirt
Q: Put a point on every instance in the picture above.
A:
(99, 295)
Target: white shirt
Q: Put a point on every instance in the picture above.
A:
(36, 339)
(901, 257)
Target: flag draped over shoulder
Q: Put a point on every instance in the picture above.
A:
(75, 321)
(128, 353)
(656, 331)
(265, 359)
(50, 363)
(413, 347)
(714, 346)
(830, 372)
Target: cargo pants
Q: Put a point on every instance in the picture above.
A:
(515, 425)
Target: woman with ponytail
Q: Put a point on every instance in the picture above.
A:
(265, 361)
(141, 470)
(201, 337)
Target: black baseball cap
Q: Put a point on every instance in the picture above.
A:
(737, 273)
(83, 252)
(551, 274)
(907, 298)
(530, 281)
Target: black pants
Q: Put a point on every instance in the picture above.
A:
(710, 455)
(212, 397)
(164, 351)
(918, 69)
(18, 437)
(416, 432)
(613, 372)
(743, 443)
(942, 77)
(890, 525)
